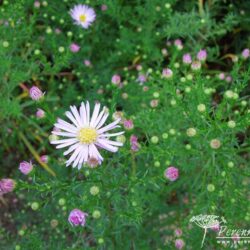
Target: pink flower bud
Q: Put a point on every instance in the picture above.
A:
(74, 47)
(87, 63)
(116, 79)
(187, 59)
(172, 173)
(179, 243)
(134, 143)
(128, 124)
(40, 113)
(245, 53)
(178, 232)
(6, 186)
(222, 76)
(77, 217)
(44, 158)
(25, 167)
(202, 55)
(35, 93)
(104, 7)
(142, 78)
(167, 73)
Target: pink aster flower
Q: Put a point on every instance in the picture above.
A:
(87, 63)
(134, 143)
(245, 53)
(77, 217)
(179, 243)
(167, 73)
(178, 44)
(83, 15)
(228, 79)
(85, 134)
(178, 232)
(142, 78)
(35, 93)
(25, 167)
(104, 7)
(222, 76)
(40, 113)
(128, 124)
(116, 79)
(172, 173)
(187, 59)
(44, 158)
(202, 55)
(74, 47)
(6, 186)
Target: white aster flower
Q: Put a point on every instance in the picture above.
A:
(85, 134)
(83, 15)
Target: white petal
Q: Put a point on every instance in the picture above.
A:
(72, 118)
(64, 134)
(101, 143)
(66, 144)
(72, 148)
(73, 156)
(98, 118)
(95, 114)
(108, 127)
(76, 114)
(65, 126)
(111, 135)
(88, 112)
(64, 141)
(83, 113)
(94, 152)
(104, 118)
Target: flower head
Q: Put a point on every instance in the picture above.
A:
(179, 243)
(116, 79)
(83, 15)
(245, 53)
(6, 186)
(172, 173)
(25, 167)
(167, 73)
(128, 124)
(74, 47)
(202, 55)
(85, 134)
(77, 217)
(40, 113)
(35, 93)
(134, 143)
(187, 59)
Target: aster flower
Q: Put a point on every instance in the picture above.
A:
(77, 217)
(85, 134)
(83, 15)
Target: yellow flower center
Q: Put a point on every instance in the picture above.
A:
(82, 18)
(87, 135)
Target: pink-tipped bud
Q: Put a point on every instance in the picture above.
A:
(172, 173)
(245, 53)
(6, 186)
(74, 47)
(35, 93)
(25, 167)
(167, 73)
(128, 124)
(44, 158)
(77, 217)
(202, 55)
(179, 243)
(40, 113)
(187, 59)
(116, 79)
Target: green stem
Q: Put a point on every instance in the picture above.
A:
(35, 154)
